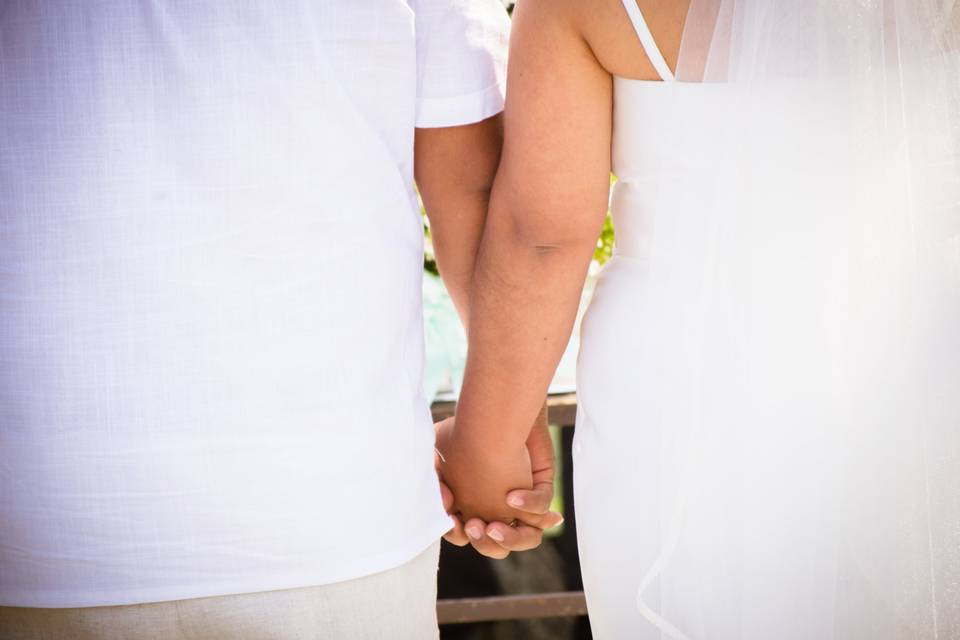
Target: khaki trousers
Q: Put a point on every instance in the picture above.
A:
(399, 604)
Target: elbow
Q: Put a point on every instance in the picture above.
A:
(555, 232)
(543, 248)
(547, 219)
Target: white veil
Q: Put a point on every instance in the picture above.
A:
(832, 275)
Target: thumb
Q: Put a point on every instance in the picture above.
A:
(540, 448)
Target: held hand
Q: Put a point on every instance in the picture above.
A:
(481, 476)
(497, 539)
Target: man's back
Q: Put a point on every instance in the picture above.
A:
(210, 338)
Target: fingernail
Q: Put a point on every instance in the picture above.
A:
(496, 535)
(474, 532)
(559, 522)
(515, 501)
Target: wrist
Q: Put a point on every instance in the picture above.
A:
(484, 436)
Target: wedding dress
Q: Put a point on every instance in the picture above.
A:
(768, 443)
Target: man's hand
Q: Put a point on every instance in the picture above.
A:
(498, 539)
(480, 473)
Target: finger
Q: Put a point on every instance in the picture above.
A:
(477, 532)
(519, 538)
(543, 522)
(456, 536)
(551, 520)
(534, 501)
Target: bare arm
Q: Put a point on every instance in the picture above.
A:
(454, 168)
(547, 208)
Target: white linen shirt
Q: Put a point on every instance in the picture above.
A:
(211, 341)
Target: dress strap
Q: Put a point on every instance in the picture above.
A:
(646, 39)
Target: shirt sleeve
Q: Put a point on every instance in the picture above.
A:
(461, 60)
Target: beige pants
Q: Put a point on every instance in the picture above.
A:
(399, 604)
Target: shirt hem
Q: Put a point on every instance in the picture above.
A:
(366, 566)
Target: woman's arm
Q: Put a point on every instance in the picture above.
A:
(547, 207)
(454, 169)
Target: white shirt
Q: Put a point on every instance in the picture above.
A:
(211, 342)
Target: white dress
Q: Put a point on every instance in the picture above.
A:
(766, 442)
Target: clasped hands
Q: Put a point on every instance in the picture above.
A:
(497, 494)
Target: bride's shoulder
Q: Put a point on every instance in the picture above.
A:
(607, 29)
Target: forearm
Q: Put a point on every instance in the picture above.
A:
(455, 167)
(456, 240)
(525, 300)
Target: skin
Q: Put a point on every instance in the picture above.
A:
(454, 170)
(547, 207)
(498, 539)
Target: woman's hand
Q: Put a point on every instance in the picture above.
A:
(480, 475)
(498, 539)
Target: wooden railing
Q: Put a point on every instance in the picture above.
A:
(562, 412)
(524, 607)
